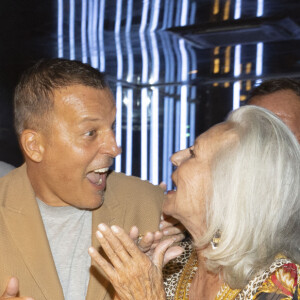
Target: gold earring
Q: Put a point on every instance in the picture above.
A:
(216, 239)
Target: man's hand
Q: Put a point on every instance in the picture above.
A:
(12, 290)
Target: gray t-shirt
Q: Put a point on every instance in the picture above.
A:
(69, 234)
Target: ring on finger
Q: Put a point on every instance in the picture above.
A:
(139, 238)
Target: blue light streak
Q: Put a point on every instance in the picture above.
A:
(60, 30)
(238, 9)
(101, 36)
(83, 31)
(260, 8)
(72, 30)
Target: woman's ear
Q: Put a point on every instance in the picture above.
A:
(32, 144)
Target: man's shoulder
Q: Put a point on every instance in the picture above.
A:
(125, 182)
(14, 183)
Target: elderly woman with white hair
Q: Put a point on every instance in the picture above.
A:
(237, 193)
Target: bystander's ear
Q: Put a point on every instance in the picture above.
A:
(32, 144)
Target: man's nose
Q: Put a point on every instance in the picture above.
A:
(178, 157)
(109, 145)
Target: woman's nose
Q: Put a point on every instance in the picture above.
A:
(178, 157)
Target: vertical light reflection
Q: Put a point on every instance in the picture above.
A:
(144, 134)
(72, 30)
(166, 14)
(237, 72)
(236, 94)
(183, 94)
(60, 21)
(237, 9)
(118, 125)
(193, 92)
(92, 32)
(129, 132)
(259, 46)
(101, 35)
(155, 15)
(154, 153)
(184, 78)
(144, 93)
(260, 8)
(259, 61)
(178, 12)
(184, 12)
(193, 13)
(237, 60)
(178, 69)
(83, 31)
(119, 86)
(259, 58)
(129, 91)
(144, 16)
(168, 122)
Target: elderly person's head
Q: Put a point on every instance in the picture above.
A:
(240, 180)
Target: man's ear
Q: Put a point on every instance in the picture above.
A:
(32, 144)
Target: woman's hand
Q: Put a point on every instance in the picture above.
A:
(131, 272)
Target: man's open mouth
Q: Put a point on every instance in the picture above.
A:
(98, 177)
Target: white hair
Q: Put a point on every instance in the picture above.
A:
(255, 200)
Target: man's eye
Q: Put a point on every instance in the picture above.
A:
(90, 133)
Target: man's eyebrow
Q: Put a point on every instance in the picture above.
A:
(88, 119)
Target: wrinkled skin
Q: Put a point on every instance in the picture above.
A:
(192, 178)
(131, 272)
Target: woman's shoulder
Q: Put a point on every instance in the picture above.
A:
(283, 283)
(280, 281)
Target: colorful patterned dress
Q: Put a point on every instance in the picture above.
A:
(281, 281)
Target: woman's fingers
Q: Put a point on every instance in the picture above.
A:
(102, 262)
(171, 253)
(112, 246)
(159, 252)
(127, 242)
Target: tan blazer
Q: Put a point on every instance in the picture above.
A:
(24, 248)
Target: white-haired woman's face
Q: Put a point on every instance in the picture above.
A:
(192, 179)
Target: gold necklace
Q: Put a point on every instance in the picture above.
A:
(185, 280)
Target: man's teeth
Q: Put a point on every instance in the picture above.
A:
(100, 181)
(103, 170)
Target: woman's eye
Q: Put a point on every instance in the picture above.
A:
(90, 133)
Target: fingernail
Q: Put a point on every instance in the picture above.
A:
(160, 226)
(165, 232)
(99, 234)
(102, 227)
(91, 250)
(115, 229)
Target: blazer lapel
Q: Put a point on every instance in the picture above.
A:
(22, 216)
